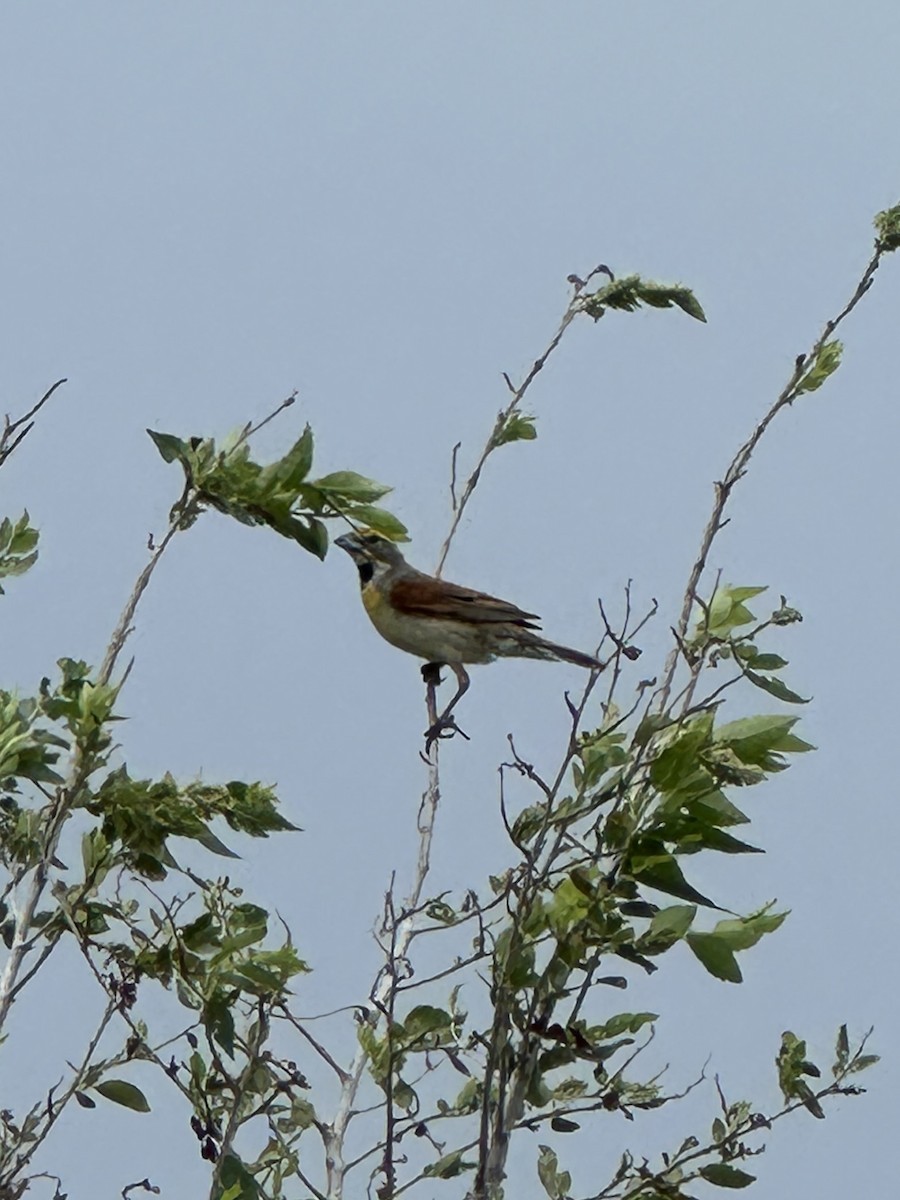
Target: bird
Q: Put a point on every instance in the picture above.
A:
(443, 623)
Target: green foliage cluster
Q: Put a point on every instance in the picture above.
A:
(18, 546)
(631, 291)
(279, 494)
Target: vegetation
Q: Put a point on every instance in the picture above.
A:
(597, 887)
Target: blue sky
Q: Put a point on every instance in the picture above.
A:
(207, 206)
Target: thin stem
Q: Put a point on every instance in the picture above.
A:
(55, 1110)
(14, 432)
(737, 468)
(124, 627)
(336, 1133)
(316, 1045)
(459, 506)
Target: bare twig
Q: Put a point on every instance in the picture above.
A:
(142, 1185)
(574, 307)
(285, 1012)
(124, 627)
(13, 433)
(453, 458)
(250, 429)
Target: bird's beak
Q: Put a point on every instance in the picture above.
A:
(346, 542)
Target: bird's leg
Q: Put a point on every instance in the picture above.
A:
(444, 725)
(431, 676)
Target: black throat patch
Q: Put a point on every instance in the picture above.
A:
(366, 571)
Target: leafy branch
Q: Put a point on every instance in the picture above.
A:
(511, 425)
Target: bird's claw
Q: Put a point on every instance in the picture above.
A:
(444, 727)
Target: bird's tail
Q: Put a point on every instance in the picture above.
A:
(538, 647)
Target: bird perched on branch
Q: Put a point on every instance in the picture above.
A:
(443, 623)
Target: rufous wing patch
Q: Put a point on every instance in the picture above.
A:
(427, 597)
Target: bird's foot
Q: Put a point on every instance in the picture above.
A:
(444, 727)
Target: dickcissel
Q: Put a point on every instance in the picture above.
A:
(444, 623)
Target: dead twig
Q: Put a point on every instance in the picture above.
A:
(14, 432)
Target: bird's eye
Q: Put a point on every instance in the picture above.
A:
(372, 539)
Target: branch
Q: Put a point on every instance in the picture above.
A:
(459, 506)
(737, 468)
(14, 432)
(68, 793)
(285, 1012)
(402, 935)
(124, 627)
(54, 1110)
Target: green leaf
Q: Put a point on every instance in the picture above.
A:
(204, 933)
(425, 1026)
(675, 765)
(727, 611)
(726, 1176)
(765, 662)
(379, 520)
(347, 485)
(716, 950)
(449, 1166)
(667, 927)
(171, 448)
(741, 933)
(556, 1183)
(762, 740)
(887, 228)
(293, 467)
(309, 533)
(17, 546)
(651, 864)
(862, 1063)
(713, 807)
(621, 1023)
(775, 687)
(792, 1065)
(24, 537)
(516, 428)
(215, 845)
(658, 295)
(630, 292)
(649, 725)
(842, 1050)
(716, 955)
(124, 1093)
(234, 1175)
(219, 1020)
(824, 364)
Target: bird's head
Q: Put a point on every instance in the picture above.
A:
(372, 553)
